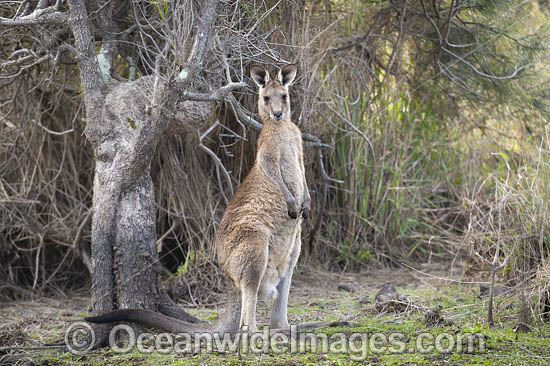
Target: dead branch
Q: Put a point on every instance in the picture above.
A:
(89, 68)
(218, 162)
(50, 15)
(217, 95)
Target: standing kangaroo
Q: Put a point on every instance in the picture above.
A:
(258, 241)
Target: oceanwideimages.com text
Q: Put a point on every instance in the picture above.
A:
(80, 337)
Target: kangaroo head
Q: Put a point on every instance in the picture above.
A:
(274, 101)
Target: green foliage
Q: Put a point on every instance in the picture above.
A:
(391, 197)
(183, 269)
(468, 121)
(131, 122)
(162, 7)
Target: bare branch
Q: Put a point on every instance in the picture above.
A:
(49, 15)
(23, 68)
(217, 160)
(88, 66)
(202, 38)
(324, 174)
(218, 94)
(513, 74)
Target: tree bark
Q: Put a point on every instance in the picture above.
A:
(125, 265)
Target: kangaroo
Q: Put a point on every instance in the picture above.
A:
(258, 241)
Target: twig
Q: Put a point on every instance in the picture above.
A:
(322, 206)
(217, 161)
(16, 348)
(446, 279)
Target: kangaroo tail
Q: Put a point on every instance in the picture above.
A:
(150, 319)
(227, 323)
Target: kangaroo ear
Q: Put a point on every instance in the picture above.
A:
(259, 75)
(287, 74)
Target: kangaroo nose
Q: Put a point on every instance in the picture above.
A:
(278, 115)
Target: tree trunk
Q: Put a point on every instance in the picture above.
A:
(125, 122)
(124, 259)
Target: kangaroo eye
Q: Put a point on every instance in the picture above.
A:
(266, 99)
(284, 96)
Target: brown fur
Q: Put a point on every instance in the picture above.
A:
(258, 242)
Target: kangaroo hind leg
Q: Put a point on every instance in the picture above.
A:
(250, 261)
(279, 317)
